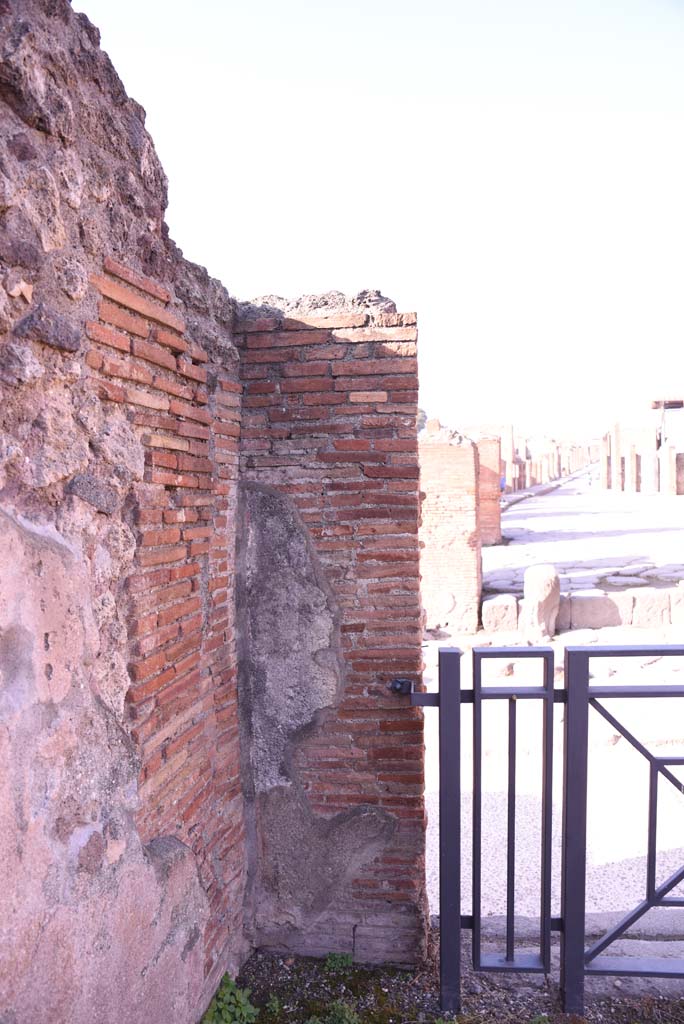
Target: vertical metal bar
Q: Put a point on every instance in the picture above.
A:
(477, 807)
(450, 828)
(510, 837)
(652, 830)
(574, 828)
(547, 808)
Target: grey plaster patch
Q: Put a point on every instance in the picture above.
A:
(290, 653)
(308, 858)
(290, 669)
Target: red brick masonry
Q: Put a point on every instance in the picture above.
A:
(182, 703)
(329, 419)
(489, 486)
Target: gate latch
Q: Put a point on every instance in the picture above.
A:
(401, 687)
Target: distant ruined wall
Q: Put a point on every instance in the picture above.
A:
(451, 555)
(121, 838)
(330, 613)
(489, 489)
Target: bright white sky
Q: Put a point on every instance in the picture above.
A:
(514, 171)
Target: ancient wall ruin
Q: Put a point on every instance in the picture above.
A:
(135, 872)
(329, 438)
(181, 706)
(122, 818)
(489, 489)
(451, 555)
(461, 481)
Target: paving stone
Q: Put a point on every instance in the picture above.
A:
(624, 581)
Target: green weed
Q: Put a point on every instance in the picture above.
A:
(335, 963)
(230, 1005)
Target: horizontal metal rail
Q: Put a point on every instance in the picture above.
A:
(628, 651)
(431, 700)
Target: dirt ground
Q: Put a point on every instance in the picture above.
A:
(292, 990)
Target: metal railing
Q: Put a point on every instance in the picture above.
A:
(579, 695)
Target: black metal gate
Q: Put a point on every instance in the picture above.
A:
(579, 696)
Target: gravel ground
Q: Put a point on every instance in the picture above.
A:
(305, 988)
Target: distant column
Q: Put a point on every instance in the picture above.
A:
(668, 470)
(605, 463)
(616, 459)
(631, 469)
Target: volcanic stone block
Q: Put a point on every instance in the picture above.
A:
(96, 492)
(500, 614)
(563, 619)
(651, 607)
(43, 325)
(593, 609)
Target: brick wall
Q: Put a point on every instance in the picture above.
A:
(505, 433)
(182, 704)
(451, 564)
(489, 488)
(329, 421)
